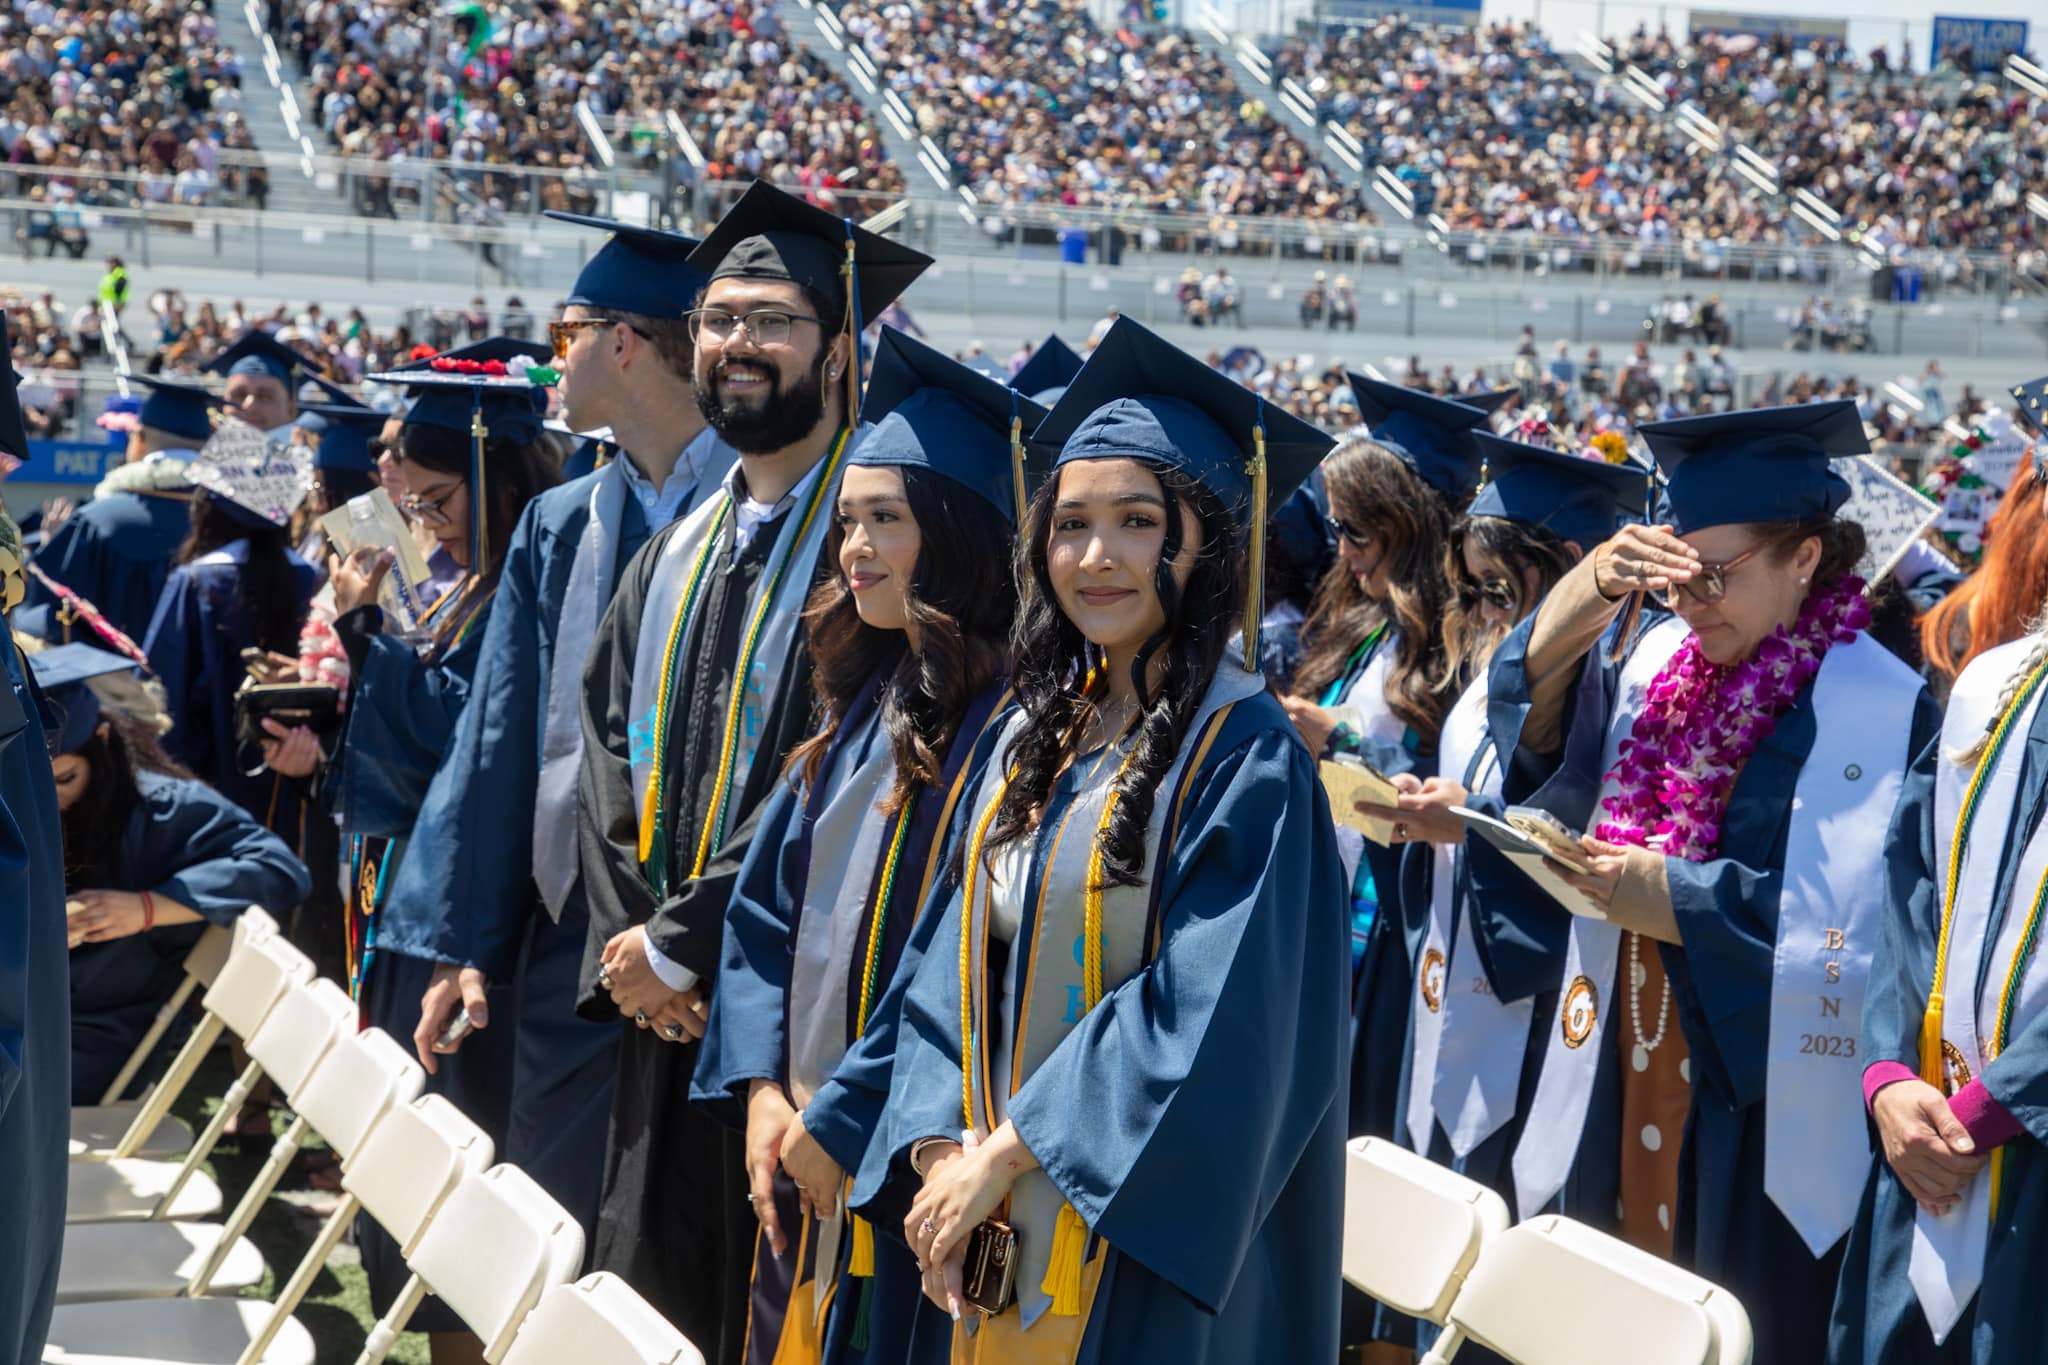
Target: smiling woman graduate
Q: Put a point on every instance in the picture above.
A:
(1133, 1004)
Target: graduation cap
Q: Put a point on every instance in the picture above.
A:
(932, 412)
(259, 482)
(178, 409)
(72, 709)
(1490, 401)
(1432, 435)
(1140, 397)
(1574, 498)
(1051, 368)
(258, 352)
(346, 430)
(637, 270)
(13, 435)
(770, 235)
(2030, 402)
(1766, 464)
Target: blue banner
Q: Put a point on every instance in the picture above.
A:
(84, 462)
(1990, 41)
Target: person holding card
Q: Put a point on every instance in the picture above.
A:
(1152, 1099)
(1737, 762)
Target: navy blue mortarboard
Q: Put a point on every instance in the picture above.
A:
(637, 270)
(1051, 368)
(63, 672)
(1433, 435)
(1489, 401)
(1572, 497)
(258, 352)
(177, 409)
(932, 412)
(493, 376)
(346, 430)
(2030, 401)
(1766, 464)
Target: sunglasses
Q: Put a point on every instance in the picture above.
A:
(562, 335)
(1710, 584)
(1344, 530)
(1497, 593)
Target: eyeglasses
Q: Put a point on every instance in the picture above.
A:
(562, 335)
(1710, 583)
(767, 326)
(1344, 530)
(1497, 593)
(429, 510)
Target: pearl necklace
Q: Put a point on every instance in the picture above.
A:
(1645, 1046)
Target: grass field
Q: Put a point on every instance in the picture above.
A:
(336, 1311)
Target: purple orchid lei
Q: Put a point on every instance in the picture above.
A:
(1702, 721)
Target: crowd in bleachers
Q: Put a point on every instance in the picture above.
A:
(120, 104)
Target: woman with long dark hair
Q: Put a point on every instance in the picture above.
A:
(1130, 993)
(151, 856)
(907, 643)
(1735, 764)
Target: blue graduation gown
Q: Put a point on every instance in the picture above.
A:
(1195, 1117)
(195, 643)
(184, 841)
(1725, 1227)
(116, 553)
(35, 1017)
(1878, 1320)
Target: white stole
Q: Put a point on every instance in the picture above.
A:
(1564, 1088)
(1364, 707)
(1947, 1261)
(1466, 1059)
(1830, 906)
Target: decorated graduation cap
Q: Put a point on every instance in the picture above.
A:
(1573, 498)
(1432, 435)
(1140, 397)
(64, 672)
(346, 430)
(177, 409)
(2030, 402)
(258, 481)
(932, 412)
(636, 270)
(1051, 368)
(770, 235)
(1766, 464)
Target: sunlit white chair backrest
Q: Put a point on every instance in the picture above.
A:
(1554, 1292)
(298, 1031)
(410, 1162)
(210, 953)
(533, 1242)
(254, 923)
(362, 1077)
(599, 1320)
(1412, 1228)
(256, 974)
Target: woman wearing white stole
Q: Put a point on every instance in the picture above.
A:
(908, 644)
(1737, 763)
(1132, 999)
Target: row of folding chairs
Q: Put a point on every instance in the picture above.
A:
(144, 1280)
(1434, 1245)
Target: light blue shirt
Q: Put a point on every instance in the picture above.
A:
(663, 505)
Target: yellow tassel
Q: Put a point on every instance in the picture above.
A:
(1997, 1177)
(860, 1262)
(1017, 467)
(1930, 1042)
(1256, 565)
(1063, 1272)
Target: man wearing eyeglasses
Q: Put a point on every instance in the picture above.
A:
(489, 889)
(696, 689)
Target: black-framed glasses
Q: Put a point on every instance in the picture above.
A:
(1709, 584)
(562, 335)
(1344, 530)
(767, 326)
(430, 510)
(1498, 593)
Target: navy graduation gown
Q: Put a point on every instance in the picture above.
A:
(116, 553)
(35, 1018)
(184, 841)
(1195, 1117)
(1877, 1316)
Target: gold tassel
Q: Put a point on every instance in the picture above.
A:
(1063, 1272)
(852, 336)
(1930, 1041)
(1255, 592)
(480, 501)
(860, 1261)
(1017, 466)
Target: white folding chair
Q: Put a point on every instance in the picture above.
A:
(402, 1171)
(1555, 1292)
(535, 1245)
(160, 1259)
(1412, 1228)
(125, 1188)
(599, 1320)
(96, 1129)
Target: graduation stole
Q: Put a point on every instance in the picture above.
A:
(1083, 938)
(672, 598)
(1984, 953)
